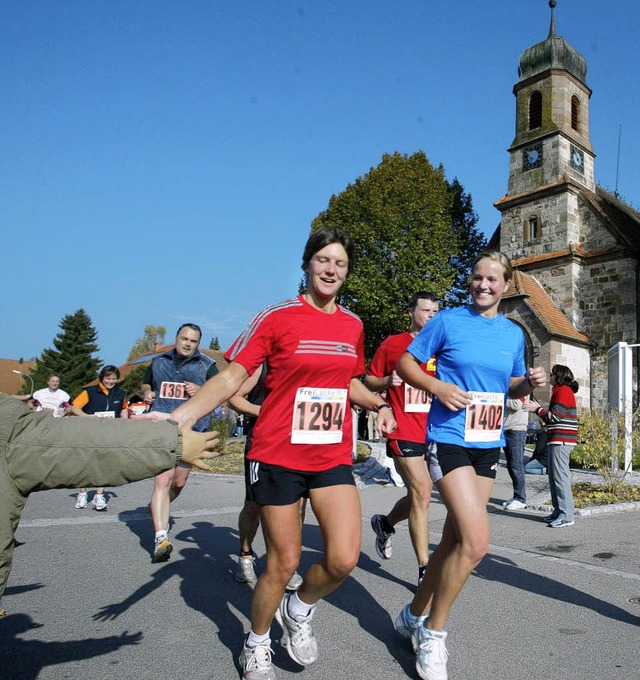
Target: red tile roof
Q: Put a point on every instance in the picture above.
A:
(543, 307)
(10, 382)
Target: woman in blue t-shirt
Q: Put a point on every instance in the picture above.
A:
(480, 361)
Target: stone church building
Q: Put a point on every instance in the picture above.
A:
(574, 245)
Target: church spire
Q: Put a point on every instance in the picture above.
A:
(552, 27)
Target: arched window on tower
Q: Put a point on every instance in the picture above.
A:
(535, 110)
(575, 113)
(532, 229)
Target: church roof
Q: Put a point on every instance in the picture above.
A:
(553, 53)
(543, 307)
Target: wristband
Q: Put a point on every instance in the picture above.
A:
(382, 406)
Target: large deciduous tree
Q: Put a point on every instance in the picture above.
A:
(413, 230)
(72, 359)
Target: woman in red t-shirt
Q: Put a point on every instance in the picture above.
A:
(302, 443)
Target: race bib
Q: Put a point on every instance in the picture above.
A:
(105, 414)
(484, 417)
(318, 414)
(173, 390)
(416, 400)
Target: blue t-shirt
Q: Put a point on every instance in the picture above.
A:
(478, 355)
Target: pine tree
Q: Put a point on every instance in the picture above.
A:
(215, 343)
(72, 357)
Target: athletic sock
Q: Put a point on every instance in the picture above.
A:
(297, 609)
(386, 526)
(253, 639)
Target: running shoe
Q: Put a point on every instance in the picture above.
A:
(297, 638)
(81, 501)
(162, 550)
(514, 504)
(99, 502)
(255, 662)
(246, 572)
(295, 581)
(383, 538)
(561, 523)
(550, 518)
(432, 655)
(407, 625)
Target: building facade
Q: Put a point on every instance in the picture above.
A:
(575, 246)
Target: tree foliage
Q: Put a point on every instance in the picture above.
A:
(153, 335)
(72, 359)
(215, 343)
(133, 382)
(413, 230)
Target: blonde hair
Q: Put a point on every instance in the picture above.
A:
(496, 256)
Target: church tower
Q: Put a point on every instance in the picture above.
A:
(551, 154)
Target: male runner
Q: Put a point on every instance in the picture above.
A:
(171, 379)
(406, 444)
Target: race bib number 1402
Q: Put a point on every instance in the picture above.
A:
(484, 417)
(318, 415)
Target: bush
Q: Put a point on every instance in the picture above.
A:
(601, 444)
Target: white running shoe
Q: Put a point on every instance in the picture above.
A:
(246, 572)
(99, 502)
(256, 662)
(432, 655)
(81, 501)
(297, 638)
(514, 504)
(295, 582)
(383, 538)
(406, 627)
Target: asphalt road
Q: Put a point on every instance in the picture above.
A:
(85, 601)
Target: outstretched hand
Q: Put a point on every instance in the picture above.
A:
(198, 446)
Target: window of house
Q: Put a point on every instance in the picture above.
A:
(532, 230)
(535, 110)
(575, 113)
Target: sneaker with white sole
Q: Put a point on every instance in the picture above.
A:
(407, 625)
(255, 662)
(514, 504)
(162, 550)
(561, 523)
(295, 581)
(550, 518)
(99, 502)
(432, 655)
(297, 638)
(246, 572)
(383, 538)
(81, 501)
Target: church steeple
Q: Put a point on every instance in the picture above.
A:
(552, 116)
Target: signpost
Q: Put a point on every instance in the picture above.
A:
(620, 391)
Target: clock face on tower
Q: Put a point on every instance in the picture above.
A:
(532, 157)
(577, 158)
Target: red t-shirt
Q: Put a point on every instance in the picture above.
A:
(410, 405)
(305, 420)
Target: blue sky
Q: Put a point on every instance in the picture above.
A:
(162, 161)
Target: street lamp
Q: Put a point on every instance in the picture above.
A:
(26, 375)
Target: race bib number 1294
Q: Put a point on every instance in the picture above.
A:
(318, 415)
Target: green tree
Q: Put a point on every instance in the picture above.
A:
(413, 230)
(133, 382)
(72, 359)
(153, 335)
(215, 343)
